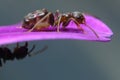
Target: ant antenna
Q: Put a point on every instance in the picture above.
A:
(39, 51)
(31, 49)
(92, 30)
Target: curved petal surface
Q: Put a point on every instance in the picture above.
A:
(14, 33)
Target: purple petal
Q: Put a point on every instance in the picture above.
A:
(14, 33)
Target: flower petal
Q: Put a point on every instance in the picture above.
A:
(15, 33)
(98, 25)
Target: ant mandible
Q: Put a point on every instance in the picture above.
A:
(19, 52)
(41, 19)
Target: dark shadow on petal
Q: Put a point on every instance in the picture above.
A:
(19, 52)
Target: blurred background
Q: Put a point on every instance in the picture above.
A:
(65, 59)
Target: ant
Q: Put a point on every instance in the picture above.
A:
(41, 19)
(19, 52)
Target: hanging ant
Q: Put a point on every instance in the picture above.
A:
(19, 52)
(41, 19)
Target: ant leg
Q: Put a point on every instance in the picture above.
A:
(57, 13)
(56, 17)
(17, 45)
(31, 49)
(58, 24)
(40, 51)
(40, 21)
(65, 24)
(16, 48)
(78, 25)
(26, 44)
(0, 63)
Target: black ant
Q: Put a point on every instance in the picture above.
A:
(41, 19)
(19, 52)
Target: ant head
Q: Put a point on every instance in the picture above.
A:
(79, 16)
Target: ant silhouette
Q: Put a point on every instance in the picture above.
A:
(19, 52)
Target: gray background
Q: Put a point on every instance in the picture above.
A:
(66, 59)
